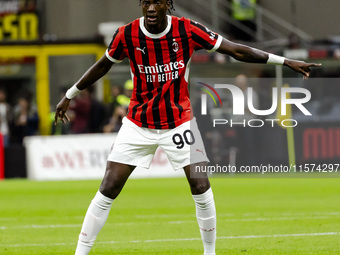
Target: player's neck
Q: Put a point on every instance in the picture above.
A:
(157, 29)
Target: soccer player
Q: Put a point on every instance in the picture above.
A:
(159, 47)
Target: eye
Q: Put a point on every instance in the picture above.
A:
(146, 3)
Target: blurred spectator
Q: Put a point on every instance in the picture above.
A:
(5, 116)
(244, 11)
(124, 99)
(25, 119)
(28, 5)
(115, 92)
(115, 121)
(87, 114)
(294, 41)
(120, 106)
(79, 113)
(97, 113)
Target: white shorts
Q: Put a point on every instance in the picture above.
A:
(136, 146)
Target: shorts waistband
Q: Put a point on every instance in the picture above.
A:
(128, 122)
(152, 130)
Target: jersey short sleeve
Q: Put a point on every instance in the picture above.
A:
(115, 52)
(204, 38)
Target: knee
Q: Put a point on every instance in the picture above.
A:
(199, 187)
(109, 189)
(114, 179)
(111, 186)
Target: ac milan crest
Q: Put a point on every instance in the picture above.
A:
(175, 47)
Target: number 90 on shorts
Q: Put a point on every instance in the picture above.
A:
(187, 138)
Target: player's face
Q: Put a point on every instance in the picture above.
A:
(154, 12)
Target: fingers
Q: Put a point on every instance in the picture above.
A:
(67, 117)
(306, 70)
(56, 117)
(314, 65)
(62, 116)
(302, 67)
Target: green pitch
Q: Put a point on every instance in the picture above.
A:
(157, 216)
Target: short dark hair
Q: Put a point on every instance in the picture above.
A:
(171, 5)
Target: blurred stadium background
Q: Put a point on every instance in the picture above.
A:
(46, 45)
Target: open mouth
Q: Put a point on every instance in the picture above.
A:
(152, 19)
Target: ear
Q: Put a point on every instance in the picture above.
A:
(168, 4)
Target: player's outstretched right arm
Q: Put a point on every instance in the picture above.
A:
(94, 73)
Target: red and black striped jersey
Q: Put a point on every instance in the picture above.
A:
(160, 68)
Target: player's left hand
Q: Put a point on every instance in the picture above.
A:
(301, 67)
(60, 112)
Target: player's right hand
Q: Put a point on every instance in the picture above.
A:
(61, 109)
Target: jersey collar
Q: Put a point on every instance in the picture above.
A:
(155, 36)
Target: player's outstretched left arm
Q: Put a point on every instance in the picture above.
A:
(300, 66)
(251, 55)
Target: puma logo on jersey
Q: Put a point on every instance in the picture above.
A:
(142, 50)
